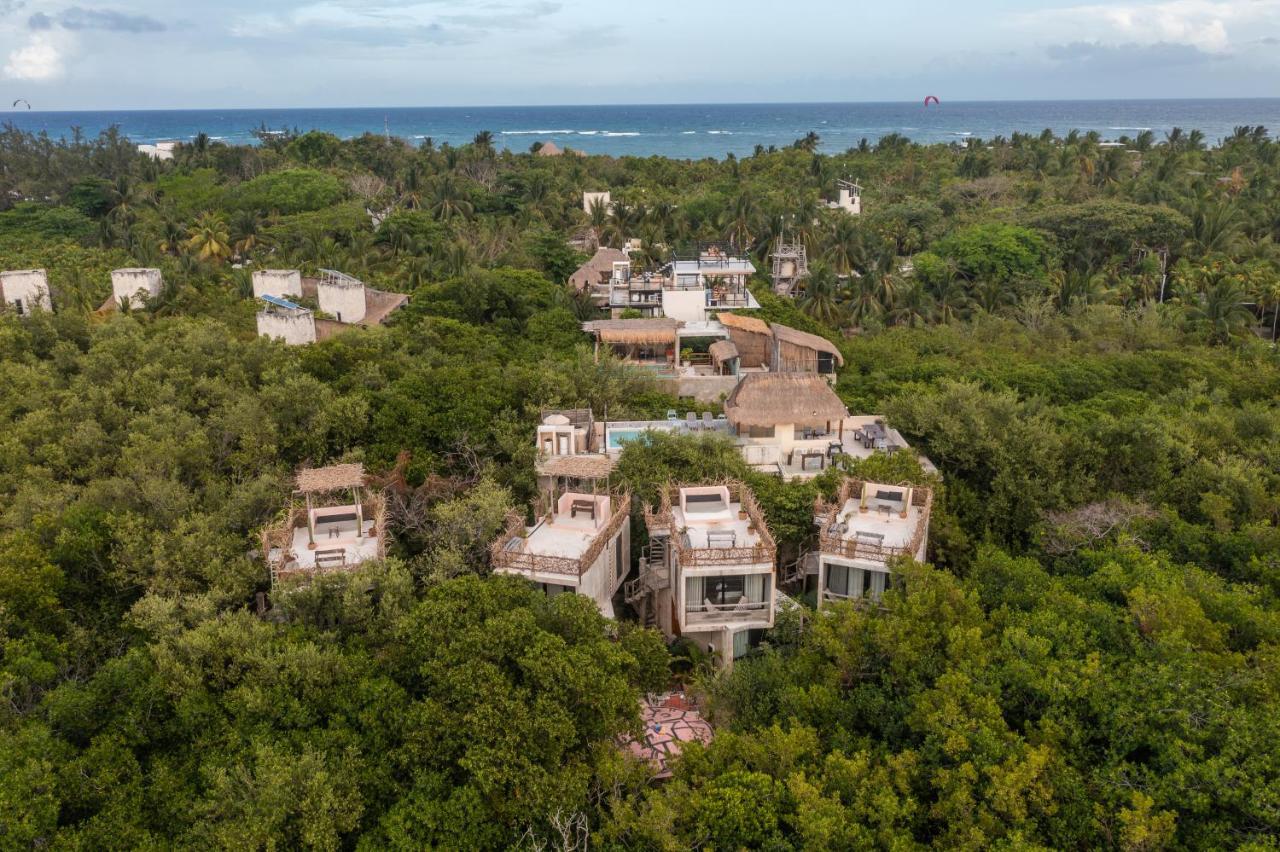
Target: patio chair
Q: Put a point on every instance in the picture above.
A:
(672, 416)
(691, 421)
(707, 422)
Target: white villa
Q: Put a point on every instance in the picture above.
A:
(708, 572)
(859, 535)
(690, 289)
(25, 290)
(339, 524)
(582, 545)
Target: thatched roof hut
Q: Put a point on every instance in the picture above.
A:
(598, 269)
(550, 149)
(724, 356)
(797, 351)
(751, 336)
(634, 332)
(774, 399)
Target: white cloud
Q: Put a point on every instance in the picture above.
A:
(39, 59)
(1207, 25)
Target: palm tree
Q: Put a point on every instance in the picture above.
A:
(483, 141)
(913, 307)
(125, 197)
(809, 142)
(864, 300)
(846, 250)
(1221, 308)
(245, 226)
(742, 220)
(210, 240)
(1214, 228)
(821, 299)
(448, 200)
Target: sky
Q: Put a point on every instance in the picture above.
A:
(168, 54)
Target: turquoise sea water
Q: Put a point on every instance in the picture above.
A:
(686, 130)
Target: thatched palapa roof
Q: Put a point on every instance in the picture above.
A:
(773, 399)
(637, 332)
(598, 267)
(742, 323)
(577, 467)
(795, 337)
(331, 478)
(723, 350)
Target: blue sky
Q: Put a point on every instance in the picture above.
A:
(248, 53)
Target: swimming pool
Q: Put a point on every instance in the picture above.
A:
(619, 436)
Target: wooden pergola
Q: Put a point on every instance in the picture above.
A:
(326, 480)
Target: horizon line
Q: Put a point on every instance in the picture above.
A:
(648, 104)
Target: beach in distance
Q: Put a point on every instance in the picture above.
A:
(684, 131)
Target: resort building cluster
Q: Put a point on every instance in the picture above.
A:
(346, 302)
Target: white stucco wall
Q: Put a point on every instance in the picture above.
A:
(294, 328)
(686, 305)
(342, 301)
(26, 289)
(282, 283)
(589, 198)
(136, 285)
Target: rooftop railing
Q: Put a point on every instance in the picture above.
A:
(509, 552)
(694, 556)
(831, 533)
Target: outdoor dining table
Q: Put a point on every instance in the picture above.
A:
(813, 454)
(871, 433)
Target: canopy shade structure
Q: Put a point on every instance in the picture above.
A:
(743, 323)
(637, 332)
(722, 351)
(333, 478)
(772, 399)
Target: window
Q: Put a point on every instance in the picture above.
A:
(760, 431)
(826, 363)
(17, 303)
(725, 590)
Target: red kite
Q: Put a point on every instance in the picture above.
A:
(933, 98)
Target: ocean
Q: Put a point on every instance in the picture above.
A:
(684, 130)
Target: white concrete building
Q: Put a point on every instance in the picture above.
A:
(690, 289)
(283, 283)
(709, 571)
(581, 546)
(26, 290)
(848, 198)
(158, 150)
(286, 321)
(341, 296)
(135, 286)
(869, 525)
(590, 199)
